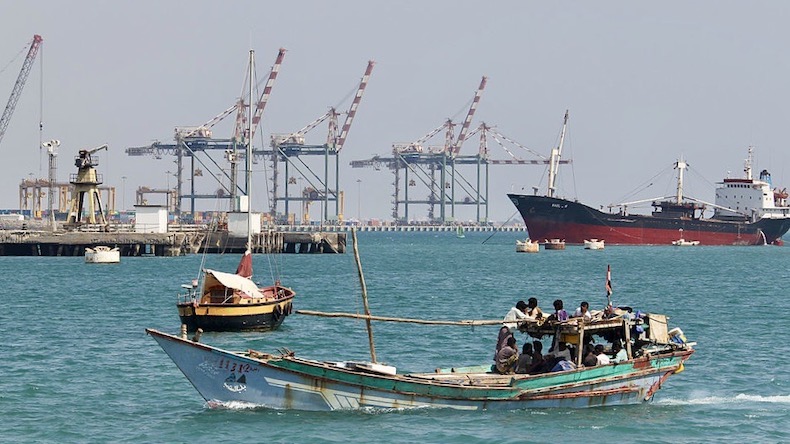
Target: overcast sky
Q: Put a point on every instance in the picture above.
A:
(645, 83)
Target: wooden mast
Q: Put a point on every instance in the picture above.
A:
(364, 296)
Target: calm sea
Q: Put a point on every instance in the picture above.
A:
(76, 365)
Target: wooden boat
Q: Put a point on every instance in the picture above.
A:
(554, 244)
(234, 302)
(286, 381)
(594, 244)
(527, 246)
(102, 255)
(283, 380)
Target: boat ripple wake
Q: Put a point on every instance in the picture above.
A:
(234, 405)
(741, 398)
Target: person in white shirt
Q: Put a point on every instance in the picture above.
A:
(603, 359)
(583, 311)
(562, 352)
(515, 314)
(620, 354)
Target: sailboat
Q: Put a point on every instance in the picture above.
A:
(233, 301)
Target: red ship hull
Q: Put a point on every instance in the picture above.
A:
(548, 218)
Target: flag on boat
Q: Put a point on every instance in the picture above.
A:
(608, 280)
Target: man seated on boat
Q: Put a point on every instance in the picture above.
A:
(537, 358)
(619, 352)
(502, 338)
(559, 313)
(590, 358)
(533, 311)
(583, 312)
(525, 359)
(517, 313)
(602, 357)
(507, 357)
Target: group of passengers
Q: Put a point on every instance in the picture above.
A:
(560, 356)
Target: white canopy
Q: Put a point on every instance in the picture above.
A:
(233, 281)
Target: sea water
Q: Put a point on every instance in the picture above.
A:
(77, 366)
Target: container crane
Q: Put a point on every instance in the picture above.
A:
(289, 147)
(20, 83)
(191, 140)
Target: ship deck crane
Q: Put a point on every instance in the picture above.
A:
(20, 84)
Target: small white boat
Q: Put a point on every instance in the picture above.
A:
(684, 243)
(102, 255)
(527, 246)
(594, 244)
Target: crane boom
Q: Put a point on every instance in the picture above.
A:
(354, 105)
(267, 90)
(462, 134)
(242, 126)
(20, 83)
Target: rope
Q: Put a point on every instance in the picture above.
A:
(498, 228)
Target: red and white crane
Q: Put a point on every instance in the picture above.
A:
(20, 83)
(465, 127)
(241, 116)
(354, 105)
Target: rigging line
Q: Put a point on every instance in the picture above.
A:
(498, 228)
(16, 57)
(646, 184)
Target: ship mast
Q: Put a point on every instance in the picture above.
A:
(554, 163)
(248, 163)
(747, 164)
(680, 165)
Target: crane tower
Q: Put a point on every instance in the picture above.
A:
(86, 182)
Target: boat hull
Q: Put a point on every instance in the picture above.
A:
(101, 255)
(286, 382)
(548, 217)
(234, 317)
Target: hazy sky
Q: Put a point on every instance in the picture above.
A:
(645, 83)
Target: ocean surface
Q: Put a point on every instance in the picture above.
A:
(77, 366)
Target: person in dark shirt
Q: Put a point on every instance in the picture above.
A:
(507, 357)
(590, 358)
(525, 360)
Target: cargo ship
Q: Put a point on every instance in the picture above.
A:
(746, 211)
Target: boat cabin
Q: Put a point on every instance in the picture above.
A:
(640, 333)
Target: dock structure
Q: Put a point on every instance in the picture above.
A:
(48, 243)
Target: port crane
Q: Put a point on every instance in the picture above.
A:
(290, 147)
(20, 84)
(414, 163)
(192, 140)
